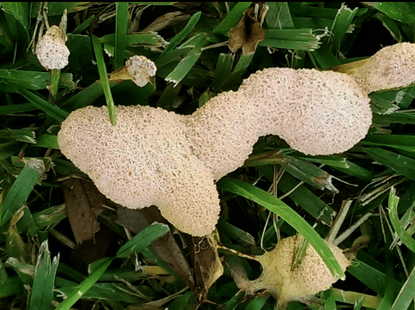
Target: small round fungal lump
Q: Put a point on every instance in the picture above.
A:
(51, 49)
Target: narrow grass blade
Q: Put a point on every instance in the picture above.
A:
(401, 142)
(400, 11)
(33, 80)
(406, 294)
(133, 40)
(223, 69)
(352, 298)
(43, 283)
(341, 24)
(232, 18)
(396, 223)
(21, 189)
(302, 196)
(296, 39)
(11, 287)
(104, 78)
(180, 36)
(398, 163)
(17, 108)
(140, 241)
(324, 57)
(275, 205)
(84, 25)
(47, 141)
(168, 97)
(22, 135)
(279, 16)
(82, 288)
(20, 11)
(143, 239)
(258, 302)
(188, 61)
(356, 171)
(50, 109)
(121, 28)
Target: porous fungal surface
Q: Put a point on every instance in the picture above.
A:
(141, 69)
(391, 67)
(144, 160)
(51, 49)
(308, 278)
(157, 157)
(315, 112)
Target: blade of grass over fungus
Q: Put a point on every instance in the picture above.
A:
(275, 205)
(139, 242)
(121, 28)
(352, 298)
(104, 78)
(187, 63)
(396, 223)
(279, 16)
(179, 37)
(47, 141)
(43, 283)
(21, 188)
(47, 107)
(232, 18)
(397, 162)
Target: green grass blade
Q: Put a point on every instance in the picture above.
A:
(275, 205)
(11, 287)
(47, 141)
(47, 107)
(398, 163)
(20, 11)
(341, 24)
(223, 69)
(17, 108)
(232, 18)
(180, 36)
(121, 28)
(187, 63)
(21, 189)
(33, 80)
(296, 39)
(401, 142)
(84, 25)
(400, 11)
(104, 78)
(143, 239)
(82, 288)
(406, 294)
(354, 298)
(279, 16)
(396, 223)
(43, 283)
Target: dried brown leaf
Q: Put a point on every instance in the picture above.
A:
(83, 204)
(165, 20)
(246, 34)
(166, 247)
(207, 265)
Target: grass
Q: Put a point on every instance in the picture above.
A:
(133, 264)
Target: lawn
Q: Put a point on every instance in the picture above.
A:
(166, 190)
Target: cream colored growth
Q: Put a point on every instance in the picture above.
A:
(310, 277)
(391, 67)
(51, 49)
(157, 157)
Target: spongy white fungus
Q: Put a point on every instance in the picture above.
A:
(51, 49)
(172, 161)
(141, 69)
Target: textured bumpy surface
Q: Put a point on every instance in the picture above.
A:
(310, 277)
(141, 69)
(391, 67)
(315, 112)
(51, 49)
(157, 157)
(144, 160)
